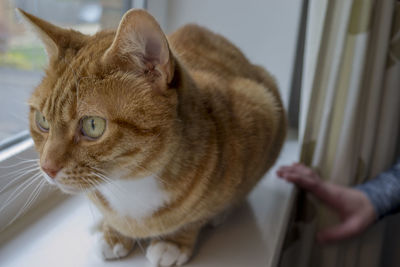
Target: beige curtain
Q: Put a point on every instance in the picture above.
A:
(351, 108)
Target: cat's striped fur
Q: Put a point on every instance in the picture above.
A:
(189, 111)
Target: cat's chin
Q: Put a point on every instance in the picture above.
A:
(48, 179)
(71, 189)
(65, 188)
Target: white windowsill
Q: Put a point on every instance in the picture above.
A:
(57, 232)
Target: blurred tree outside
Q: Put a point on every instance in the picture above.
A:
(17, 49)
(21, 49)
(22, 56)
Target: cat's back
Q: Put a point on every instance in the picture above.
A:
(213, 57)
(202, 50)
(242, 99)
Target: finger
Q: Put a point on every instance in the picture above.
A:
(305, 171)
(284, 168)
(279, 173)
(299, 170)
(342, 231)
(305, 183)
(329, 194)
(303, 174)
(297, 164)
(289, 169)
(283, 171)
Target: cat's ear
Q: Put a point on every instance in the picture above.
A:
(140, 43)
(55, 39)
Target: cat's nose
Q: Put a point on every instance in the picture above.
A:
(51, 169)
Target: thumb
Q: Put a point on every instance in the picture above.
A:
(346, 229)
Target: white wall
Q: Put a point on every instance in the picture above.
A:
(265, 30)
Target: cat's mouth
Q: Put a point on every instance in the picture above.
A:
(48, 178)
(69, 185)
(73, 189)
(70, 189)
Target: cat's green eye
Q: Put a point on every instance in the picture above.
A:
(93, 127)
(41, 122)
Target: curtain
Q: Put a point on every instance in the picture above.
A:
(349, 125)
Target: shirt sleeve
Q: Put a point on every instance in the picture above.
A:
(384, 191)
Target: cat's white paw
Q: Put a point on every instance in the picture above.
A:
(106, 252)
(166, 254)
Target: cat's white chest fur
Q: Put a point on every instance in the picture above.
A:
(136, 198)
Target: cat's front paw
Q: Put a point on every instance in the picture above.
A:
(162, 253)
(108, 251)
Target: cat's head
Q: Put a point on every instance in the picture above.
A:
(105, 103)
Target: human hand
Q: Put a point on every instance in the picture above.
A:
(355, 210)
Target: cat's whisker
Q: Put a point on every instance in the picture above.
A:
(16, 179)
(114, 186)
(21, 162)
(138, 241)
(28, 160)
(97, 199)
(30, 200)
(35, 160)
(120, 196)
(90, 203)
(94, 184)
(103, 179)
(21, 169)
(97, 169)
(159, 111)
(121, 192)
(152, 173)
(94, 195)
(128, 225)
(118, 193)
(108, 181)
(17, 172)
(136, 165)
(20, 189)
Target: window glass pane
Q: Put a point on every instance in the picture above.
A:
(22, 56)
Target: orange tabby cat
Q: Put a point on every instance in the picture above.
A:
(163, 133)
